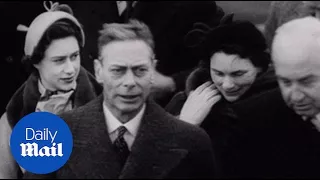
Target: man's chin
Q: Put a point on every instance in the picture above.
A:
(128, 108)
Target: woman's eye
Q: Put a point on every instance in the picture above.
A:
(238, 73)
(74, 56)
(58, 60)
(218, 73)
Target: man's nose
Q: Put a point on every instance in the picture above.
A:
(129, 79)
(297, 95)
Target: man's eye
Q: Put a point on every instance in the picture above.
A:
(285, 82)
(307, 82)
(117, 71)
(140, 71)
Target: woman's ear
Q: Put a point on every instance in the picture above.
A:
(98, 71)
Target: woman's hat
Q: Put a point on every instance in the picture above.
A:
(240, 33)
(42, 22)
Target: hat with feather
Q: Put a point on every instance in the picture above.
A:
(42, 22)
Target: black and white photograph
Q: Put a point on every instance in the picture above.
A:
(160, 89)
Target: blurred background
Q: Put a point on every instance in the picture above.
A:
(254, 11)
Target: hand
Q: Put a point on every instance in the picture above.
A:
(199, 103)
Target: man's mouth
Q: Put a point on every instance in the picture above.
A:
(129, 98)
(68, 80)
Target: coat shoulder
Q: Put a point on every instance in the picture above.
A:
(74, 116)
(190, 134)
(182, 131)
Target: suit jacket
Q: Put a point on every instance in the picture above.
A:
(164, 147)
(278, 143)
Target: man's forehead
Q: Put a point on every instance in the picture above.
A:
(126, 45)
(296, 71)
(129, 64)
(127, 52)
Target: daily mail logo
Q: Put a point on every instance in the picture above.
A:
(41, 142)
(32, 149)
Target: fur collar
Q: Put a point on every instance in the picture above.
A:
(25, 99)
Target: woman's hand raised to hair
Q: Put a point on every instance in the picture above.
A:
(199, 103)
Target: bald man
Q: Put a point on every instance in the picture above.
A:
(284, 138)
(295, 53)
(296, 56)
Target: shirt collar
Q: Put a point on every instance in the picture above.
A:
(113, 123)
(318, 116)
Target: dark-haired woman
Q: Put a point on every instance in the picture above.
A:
(57, 83)
(234, 69)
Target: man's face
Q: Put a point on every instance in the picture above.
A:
(60, 66)
(126, 70)
(298, 76)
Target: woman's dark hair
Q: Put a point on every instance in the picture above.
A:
(60, 29)
(240, 38)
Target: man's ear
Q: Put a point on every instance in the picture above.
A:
(98, 70)
(154, 63)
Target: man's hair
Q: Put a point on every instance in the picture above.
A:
(301, 35)
(134, 30)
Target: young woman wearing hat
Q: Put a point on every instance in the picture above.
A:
(234, 69)
(57, 82)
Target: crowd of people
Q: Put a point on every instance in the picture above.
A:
(173, 89)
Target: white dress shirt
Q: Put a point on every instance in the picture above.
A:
(315, 121)
(132, 125)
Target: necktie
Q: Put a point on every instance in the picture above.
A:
(121, 146)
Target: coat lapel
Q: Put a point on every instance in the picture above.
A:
(93, 155)
(154, 152)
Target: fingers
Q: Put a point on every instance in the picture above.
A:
(211, 94)
(214, 99)
(209, 89)
(202, 87)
